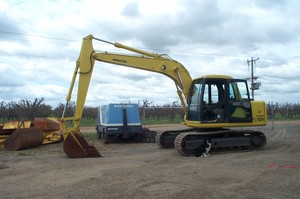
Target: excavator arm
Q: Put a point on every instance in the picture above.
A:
(75, 145)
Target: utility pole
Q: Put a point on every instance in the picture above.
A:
(254, 85)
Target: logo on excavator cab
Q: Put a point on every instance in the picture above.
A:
(259, 118)
(119, 60)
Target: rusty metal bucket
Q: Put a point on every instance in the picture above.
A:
(23, 138)
(75, 146)
(51, 128)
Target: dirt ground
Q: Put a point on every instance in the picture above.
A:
(143, 170)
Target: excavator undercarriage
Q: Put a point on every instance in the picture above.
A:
(196, 142)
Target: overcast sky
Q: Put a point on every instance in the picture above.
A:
(40, 42)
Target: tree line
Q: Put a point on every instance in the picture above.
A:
(29, 109)
(285, 110)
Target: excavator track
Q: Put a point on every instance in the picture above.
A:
(193, 143)
(166, 139)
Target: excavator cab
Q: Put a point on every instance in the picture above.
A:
(219, 99)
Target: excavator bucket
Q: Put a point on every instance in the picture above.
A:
(23, 138)
(75, 146)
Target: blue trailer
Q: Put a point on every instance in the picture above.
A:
(121, 121)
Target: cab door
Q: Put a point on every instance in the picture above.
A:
(195, 102)
(239, 106)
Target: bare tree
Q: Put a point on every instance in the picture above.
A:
(29, 109)
(12, 111)
(69, 110)
(146, 103)
(2, 109)
(90, 112)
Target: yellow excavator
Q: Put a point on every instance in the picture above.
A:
(213, 105)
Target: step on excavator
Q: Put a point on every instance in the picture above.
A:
(216, 107)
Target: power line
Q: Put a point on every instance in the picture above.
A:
(44, 37)
(152, 49)
(176, 51)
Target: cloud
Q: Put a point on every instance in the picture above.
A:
(7, 24)
(131, 10)
(207, 37)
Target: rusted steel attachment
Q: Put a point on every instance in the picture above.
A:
(51, 128)
(17, 135)
(23, 138)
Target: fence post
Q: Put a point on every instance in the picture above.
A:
(272, 115)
